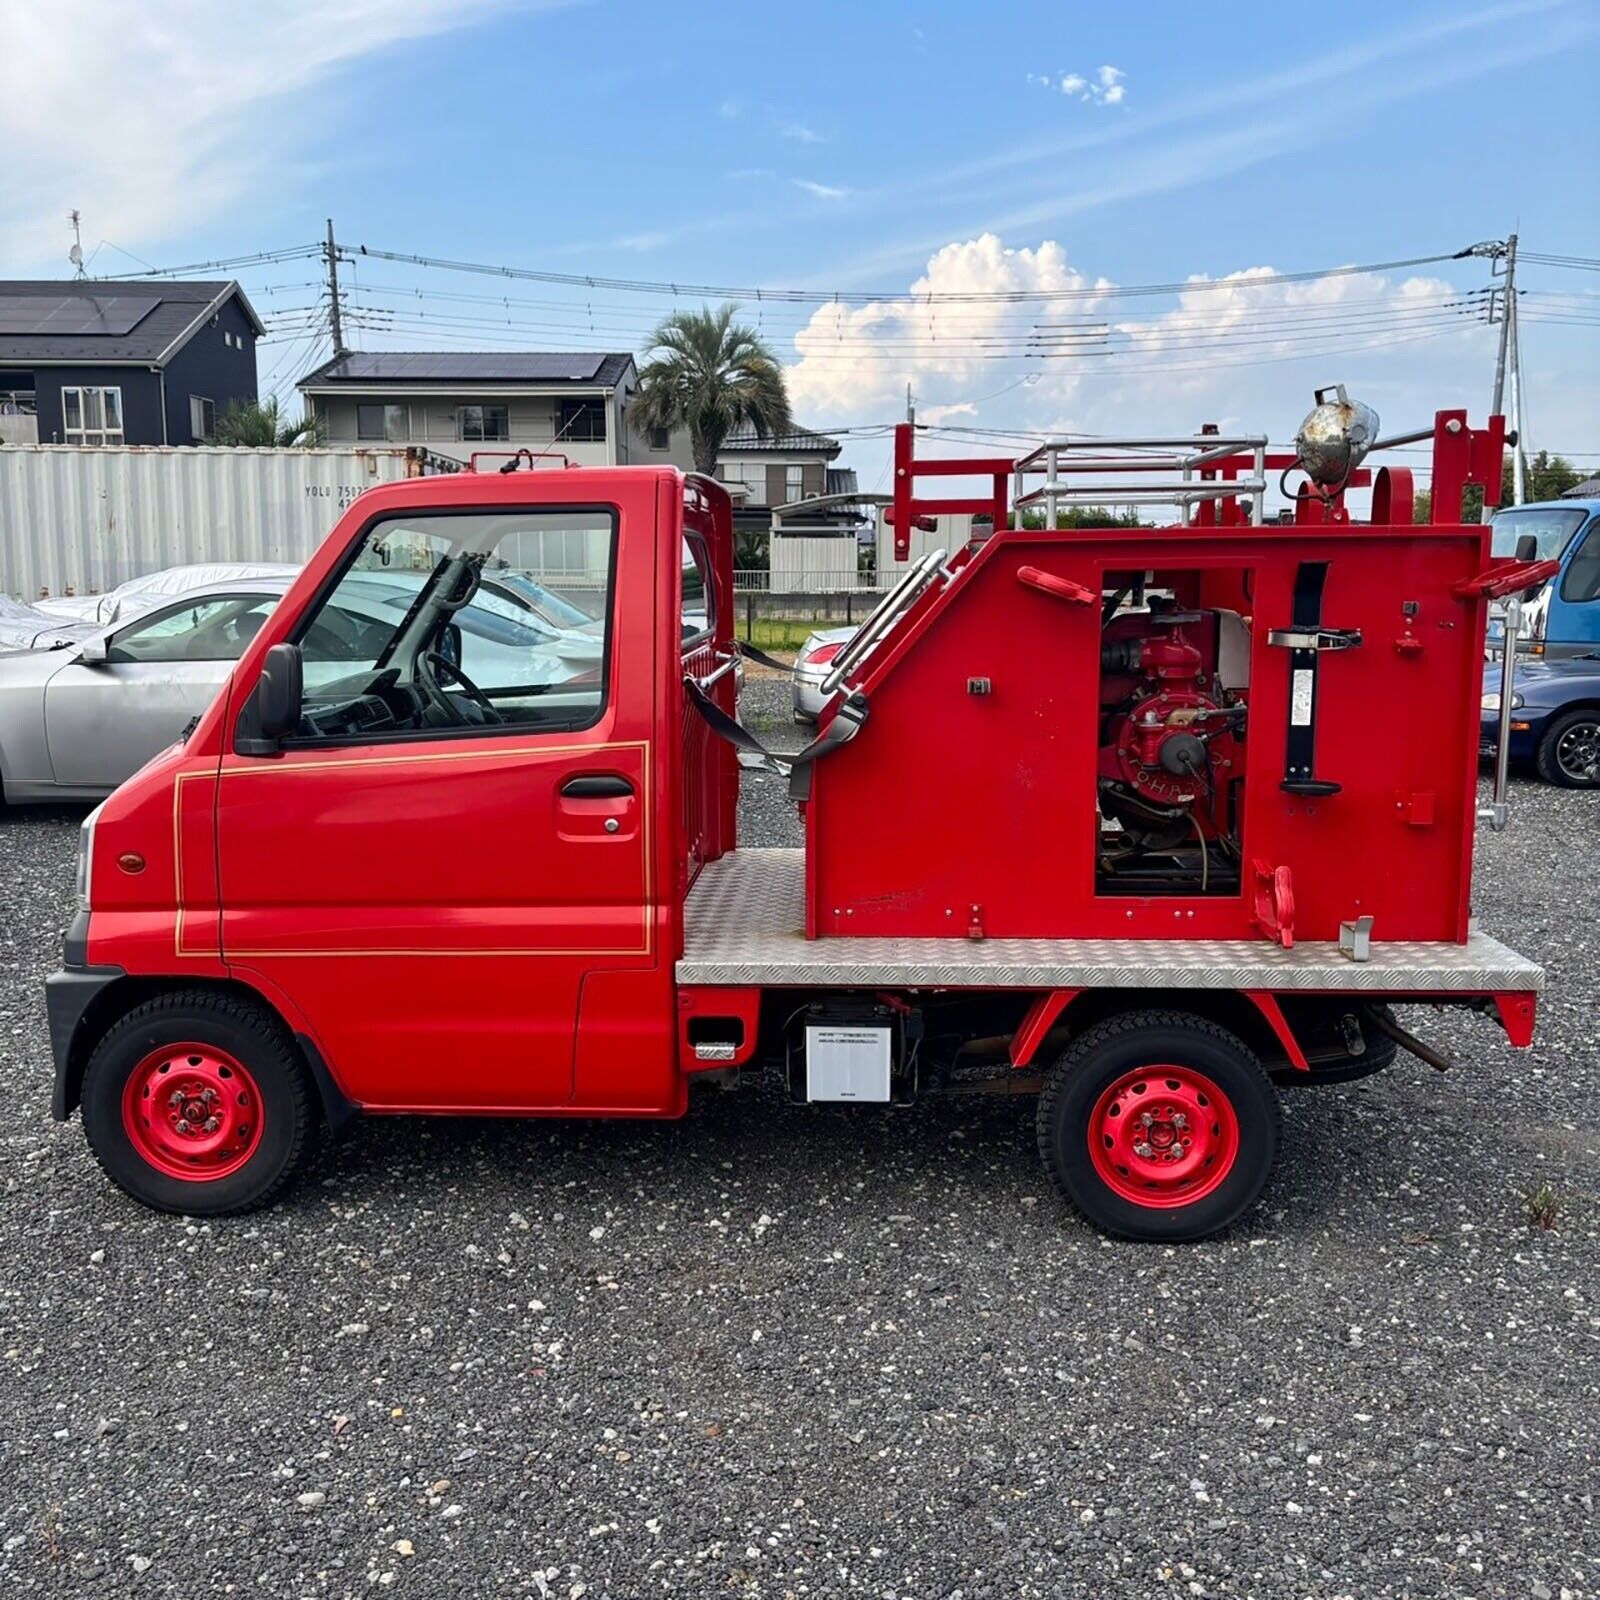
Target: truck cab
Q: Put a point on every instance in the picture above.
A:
(1563, 619)
(452, 878)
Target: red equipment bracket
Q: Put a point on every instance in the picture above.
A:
(908, 512)
(1463, 455)
(1041, 1018)
(1274, 903)
(1516, 1016)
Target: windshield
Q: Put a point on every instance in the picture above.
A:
(1552, 526)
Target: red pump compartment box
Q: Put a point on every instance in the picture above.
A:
(1130, 734)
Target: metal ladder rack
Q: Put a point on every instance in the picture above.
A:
(1066, 462)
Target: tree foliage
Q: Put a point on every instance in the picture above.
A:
(259, 425)
(712, 375)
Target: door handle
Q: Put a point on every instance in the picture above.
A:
(596, 786)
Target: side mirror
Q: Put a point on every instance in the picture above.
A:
(94, 652)
(1528, 550)
(274, 706)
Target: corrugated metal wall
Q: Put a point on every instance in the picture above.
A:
(91, 519)
(802, 565)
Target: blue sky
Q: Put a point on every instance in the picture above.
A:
(837, 146)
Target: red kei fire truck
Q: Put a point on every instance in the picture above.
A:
(1146, 820)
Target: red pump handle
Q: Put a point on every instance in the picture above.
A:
(1502, 579)
(1061, 588)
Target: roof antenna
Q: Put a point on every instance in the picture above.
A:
(75, 254)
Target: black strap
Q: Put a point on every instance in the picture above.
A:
(846, 724)
(1300, 746)
(760, 657)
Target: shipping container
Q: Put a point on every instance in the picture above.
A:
(86, 520)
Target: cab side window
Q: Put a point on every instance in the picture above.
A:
(463, 622)
(1582, 580)
(213, 629)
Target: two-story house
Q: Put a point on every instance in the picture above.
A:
(790, 498)
(96, 362)
(456, 403)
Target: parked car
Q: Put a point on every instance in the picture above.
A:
(138, 595)
(24, 627)
(1555, 719)
(77, 720)
(811, 666)
(1563, 618)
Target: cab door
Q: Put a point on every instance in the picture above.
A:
(431, 887)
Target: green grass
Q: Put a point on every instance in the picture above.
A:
(778, 633)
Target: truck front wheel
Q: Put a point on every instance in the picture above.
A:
(196, 1102)
(1159, 1125)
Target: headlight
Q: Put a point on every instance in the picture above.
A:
(86, 854)
(1491, 702)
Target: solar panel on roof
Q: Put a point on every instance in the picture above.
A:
(472, 366)
(72, 315)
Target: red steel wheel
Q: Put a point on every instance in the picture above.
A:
(197, 1101)
(193, 1111)
(1158, 1124)
(1163, 1135)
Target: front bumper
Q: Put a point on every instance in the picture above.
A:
(68, 995)
(1524, 735)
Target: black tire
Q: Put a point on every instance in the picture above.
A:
(1120, 1045)
(256, 1040)
(1569, 752)
(1380, 1053)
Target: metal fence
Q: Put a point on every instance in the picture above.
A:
(797, 584)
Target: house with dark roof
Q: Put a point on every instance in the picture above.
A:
(456, 403)
(96, 362)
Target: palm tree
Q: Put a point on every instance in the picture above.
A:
(258, 424)
(706, 372)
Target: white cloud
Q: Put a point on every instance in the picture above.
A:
(856, 359)
(1246, 350)
(152, 115)
(729, 109)
(1108, 87)
(822, 191)
(799, 132)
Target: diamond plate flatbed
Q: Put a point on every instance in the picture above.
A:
(744, 924)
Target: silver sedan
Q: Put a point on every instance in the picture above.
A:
(811, 666)
(76, 720)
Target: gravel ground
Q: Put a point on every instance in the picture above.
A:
(770, 1351)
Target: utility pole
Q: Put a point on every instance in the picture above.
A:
(1518, 454)
(1508, 301)
(911, 410)
(331, 255)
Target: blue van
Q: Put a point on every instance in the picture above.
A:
(1563, 619)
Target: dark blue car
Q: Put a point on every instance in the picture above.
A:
(1555, 718)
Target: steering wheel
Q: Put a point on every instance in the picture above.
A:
(437, 665)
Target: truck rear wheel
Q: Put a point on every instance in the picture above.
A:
(196, 1102)
(1159, 1125)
